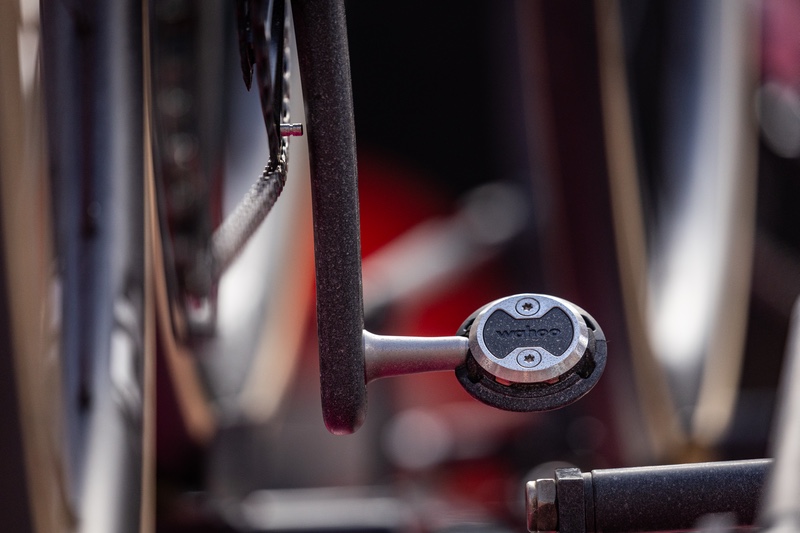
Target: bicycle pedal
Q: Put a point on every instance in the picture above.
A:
(531, 352)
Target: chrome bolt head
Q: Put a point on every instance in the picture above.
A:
(527, 306)
(540, 505)
(529, 358)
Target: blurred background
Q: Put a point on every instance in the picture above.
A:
(638, 158)
(632, 157)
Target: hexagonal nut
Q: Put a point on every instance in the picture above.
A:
(540, 501)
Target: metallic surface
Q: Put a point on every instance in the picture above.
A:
(540, 505)
(781, 508)
(510, 368)
(92, 69)
(701, 245)
(573, 382)
(291, 130)
(394, 355)
(325, 74)
(524, 397)
(694, 241)
(527, 306)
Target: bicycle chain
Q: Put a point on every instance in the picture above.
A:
(189, 206)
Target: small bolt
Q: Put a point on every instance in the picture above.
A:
(291, 130)
(527, 306)
(540, 496)
(529, 358)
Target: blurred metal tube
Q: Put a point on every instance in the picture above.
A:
(781, 508)
(111, 495)
(394, 355)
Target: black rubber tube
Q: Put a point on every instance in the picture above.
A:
(324, 62)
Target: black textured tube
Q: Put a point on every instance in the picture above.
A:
(325, 74)
(668, 498)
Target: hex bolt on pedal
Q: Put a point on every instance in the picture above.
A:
(528, 352)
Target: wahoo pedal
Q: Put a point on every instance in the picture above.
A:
(531, 352)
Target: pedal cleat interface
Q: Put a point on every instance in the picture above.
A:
(531, 352)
